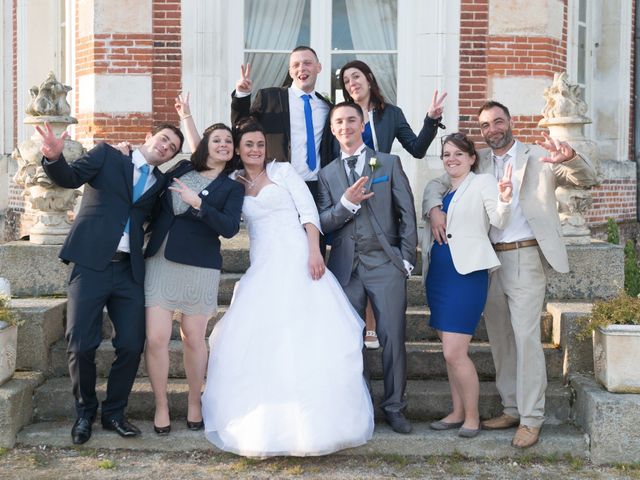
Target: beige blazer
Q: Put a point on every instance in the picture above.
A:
(538, 181)
(473, 209)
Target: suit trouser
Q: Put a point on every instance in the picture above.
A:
(512, 316)
(88, 293)
(386, 286)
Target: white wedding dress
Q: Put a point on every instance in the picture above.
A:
(285, 369)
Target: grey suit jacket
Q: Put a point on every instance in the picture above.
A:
(538, 182)
(391, 210)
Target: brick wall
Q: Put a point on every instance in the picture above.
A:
(613, 199)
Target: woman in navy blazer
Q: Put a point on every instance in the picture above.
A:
(359, 85)
(183, 264)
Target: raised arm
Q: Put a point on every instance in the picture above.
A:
(188, 125)
(569, 167)
(241, 96)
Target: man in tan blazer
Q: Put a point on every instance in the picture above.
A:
(517, 289)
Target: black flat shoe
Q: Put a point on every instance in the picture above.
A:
(195, 425)
(122, 427)
(162, 430)
(81, 431)
(398, 422)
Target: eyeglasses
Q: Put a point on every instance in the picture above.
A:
(451, 136)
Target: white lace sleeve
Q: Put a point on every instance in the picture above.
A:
(283, 174)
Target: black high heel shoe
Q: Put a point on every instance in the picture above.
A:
(162, 430)
(195, 426)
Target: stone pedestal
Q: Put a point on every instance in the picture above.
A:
(33, 270)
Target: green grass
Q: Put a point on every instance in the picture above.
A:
(106, 464)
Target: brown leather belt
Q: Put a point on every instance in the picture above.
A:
(120, 257)
(503, 247)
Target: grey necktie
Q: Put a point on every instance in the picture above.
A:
(500, 163)
(351, 163)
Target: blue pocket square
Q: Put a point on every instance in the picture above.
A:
(380, 179)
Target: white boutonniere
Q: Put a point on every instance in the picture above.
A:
(373, 163)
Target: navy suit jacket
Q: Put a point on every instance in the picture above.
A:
(271, 108)
(106, 206)
(391, 123)
(193, 236)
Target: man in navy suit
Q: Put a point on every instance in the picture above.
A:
(105, 245)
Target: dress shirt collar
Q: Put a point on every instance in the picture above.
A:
(138, 160)
(358, 152)
(299, 93)
(511, 152)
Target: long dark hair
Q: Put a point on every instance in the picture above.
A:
(244, 126)
(464, 143)
(377, 99)
(199, 157)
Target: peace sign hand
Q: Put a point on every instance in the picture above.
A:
(436, 108)
(505, 187)
(558, 151)
(182, 105)
(52, 146)
(244, 84)
(357, 193)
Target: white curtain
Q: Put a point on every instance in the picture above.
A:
(271, 25)
(373, 27)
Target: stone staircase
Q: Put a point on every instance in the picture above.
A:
(41, 392)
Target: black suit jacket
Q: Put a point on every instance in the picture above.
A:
(106, 206)
(391, 123)
(271, 108)
(194, 235)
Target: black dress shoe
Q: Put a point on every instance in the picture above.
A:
(195, 425)
(398, 422)
(122, 427)
(162, 430)
(81, 431)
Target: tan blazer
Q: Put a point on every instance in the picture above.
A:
(473, 209)
(538, 181)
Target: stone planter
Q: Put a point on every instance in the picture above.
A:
(8, 347)
(616, 356)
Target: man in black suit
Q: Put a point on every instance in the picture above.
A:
(105, 244)
(295, 119)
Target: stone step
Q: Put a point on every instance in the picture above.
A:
(426, 399)
(424, 360)
(418, 328)
(43, 325)
(556, 441)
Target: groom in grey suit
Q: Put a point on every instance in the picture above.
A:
(366, 203)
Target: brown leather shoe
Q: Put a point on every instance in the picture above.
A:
(526, 436)
(500, 422)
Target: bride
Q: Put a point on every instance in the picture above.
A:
(273, 389)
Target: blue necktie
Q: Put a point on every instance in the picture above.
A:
(138, 188)
(311, 138)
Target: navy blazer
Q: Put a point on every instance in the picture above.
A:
(193, 236)
(106, 206)
(391, 123)
(271, 108)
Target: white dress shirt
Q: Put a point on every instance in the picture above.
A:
(517, 228)
(138, 160)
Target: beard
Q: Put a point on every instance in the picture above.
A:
(500, 142)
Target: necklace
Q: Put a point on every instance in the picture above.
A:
(252, 183)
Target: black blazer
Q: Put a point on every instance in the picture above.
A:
(106, 205)
(391, 123)
(193, 236)
(271, 108)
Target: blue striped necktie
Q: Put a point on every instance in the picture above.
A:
(311, 138)
(138, 188)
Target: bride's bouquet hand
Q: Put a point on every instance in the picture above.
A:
(316, 265)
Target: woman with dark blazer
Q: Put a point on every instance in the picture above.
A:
(183, 265)
(384, 123)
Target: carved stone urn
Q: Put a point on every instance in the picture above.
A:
(51, 205)
(564, 116)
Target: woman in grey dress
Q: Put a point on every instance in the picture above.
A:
(183, 265)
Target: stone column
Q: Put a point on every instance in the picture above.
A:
(564, 116)
(50, 204)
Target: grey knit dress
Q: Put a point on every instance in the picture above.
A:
(173, 286)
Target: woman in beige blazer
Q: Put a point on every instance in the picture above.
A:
(456, 272)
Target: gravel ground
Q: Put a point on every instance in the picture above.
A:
(35, 463)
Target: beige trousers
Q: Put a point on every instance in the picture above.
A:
(512, 315)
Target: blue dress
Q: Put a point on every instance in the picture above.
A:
(456, 301)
